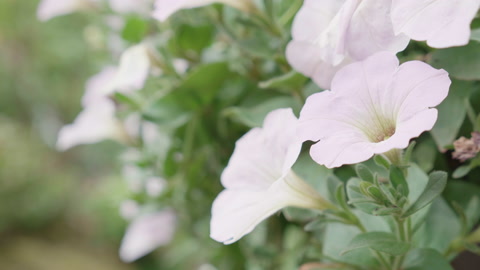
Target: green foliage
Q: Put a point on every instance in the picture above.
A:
(379, 241)
(435, 186)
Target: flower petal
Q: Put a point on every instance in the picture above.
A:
(442, 23)
(264, 155)
(371, 30)
(236, 212)
(95, 123)
(49, 9)
(97, 86)
(147, 233)
(307, 59)
(133, 69)
(165, 8)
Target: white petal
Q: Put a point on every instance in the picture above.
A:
(328, 35)
(147, 233)
(49, 9)
(236, 212)
(371, 31)
(442, 23)
(263, 155)
(165, 8)
(133, 69)
(307, 59)
(98, 86)
(95, 123)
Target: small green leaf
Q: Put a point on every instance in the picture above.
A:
(398, 180)
(379, 241)
(435, 186)
(134, 30)
(425, 258)
(364, 173)
(381, 161)
(408, 153)
(253, 116)
(461, 171)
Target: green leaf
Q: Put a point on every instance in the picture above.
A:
(398, 180)
(193, 38)
(451, 113)
(253, 116)
(289, 81)
(460, 62)
(364, 172)
(461, 171)
(359, 200)
(337, 238)
(200, 86)
(379, 241)
(381, 161)
(435, 186)
(134, 30)
(422, 259)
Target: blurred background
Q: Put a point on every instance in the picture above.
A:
(57, 210)
(60, 210)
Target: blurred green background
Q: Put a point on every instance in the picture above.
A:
(57, 210)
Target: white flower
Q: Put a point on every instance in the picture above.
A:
(98, 120)
(165, 8)
(374, 106)
(147, 233)
(48, 9)
(133, 69)
(259, 181)
(442, 23)
(329, 34)
(155, 186)
(95, 123)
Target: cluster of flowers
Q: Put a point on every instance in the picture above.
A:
(374, 105)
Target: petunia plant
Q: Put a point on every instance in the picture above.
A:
(342, 116)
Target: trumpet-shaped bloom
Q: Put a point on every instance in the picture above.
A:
(374, 106)
(165, 8)
(259, 181)
(95, 123)
(329, 34)
(49, 9)
(147, 233)
(442, 23)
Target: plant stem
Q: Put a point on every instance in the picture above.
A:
(402, 235)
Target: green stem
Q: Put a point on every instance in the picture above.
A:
(402, 235)
(472, 115)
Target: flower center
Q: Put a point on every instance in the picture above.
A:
(383, 135)
(378, 128)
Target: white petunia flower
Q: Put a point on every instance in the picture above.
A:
(442, 23)
(95, 123)
(259, 181)
(165, 8)
(374, 106)
(147, 233)
(329, 34)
